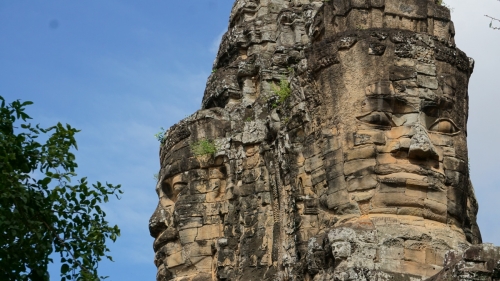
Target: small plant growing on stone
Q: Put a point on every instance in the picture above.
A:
(156, 176)
(248, 119)
(203, 147)
(283, 91)
(442, 3)
(160, 136)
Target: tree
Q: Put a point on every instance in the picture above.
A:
(41, 210)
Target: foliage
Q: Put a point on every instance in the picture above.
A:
(283, 91)
(41, 211)
(203, 147)
(493, 22)
(160, 136)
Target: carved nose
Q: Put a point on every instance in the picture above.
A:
(421, 146)
(157, 222)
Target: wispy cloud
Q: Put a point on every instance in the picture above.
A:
(214, 47)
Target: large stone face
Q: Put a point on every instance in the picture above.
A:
(358, 171)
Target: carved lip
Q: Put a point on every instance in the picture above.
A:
(404, 179)
(158, 243)
(406, 170)
(163, 238)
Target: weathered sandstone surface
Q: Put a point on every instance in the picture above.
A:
(339, 129)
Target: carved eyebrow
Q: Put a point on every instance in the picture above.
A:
(389, 103)
(434, 107)
(430, 108)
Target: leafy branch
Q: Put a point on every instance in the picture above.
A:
(493, 20)
(44, 214)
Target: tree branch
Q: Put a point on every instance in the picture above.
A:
(65, 246)
(491, 23)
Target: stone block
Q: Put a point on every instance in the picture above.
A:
(336, 184)
(391, 252)
(440, 139)
(436, 207)
(362, 183)
(396, 199)
(359, 153)
(334, 171)
(449, 151)
(411, 211)
(411, 267)
(426, 68)
(391, 188)
(438, 196)
(386, 158)
(175, 259)
(402, 131)
(406, 62)
(381, 88)
(191, 222)
(369, 136)
(254, 132)
(356, 166)
(318, 176)
(429, 215)
(381, 210)
(427, 82)
(203, 264)
(454, 164)
(331, 144)
(390, 265)
(188, 235)
(337, 198)
(210, 231)
(313, 163)
(415, 255)
(401, 73)
(415, 192)
(245, 189)
(333, 158)
(452, 177)
(413, 9)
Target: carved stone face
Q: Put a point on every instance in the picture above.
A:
(401, 125)
(191, 190)
(360, 165)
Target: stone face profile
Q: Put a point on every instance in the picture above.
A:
(340, 136)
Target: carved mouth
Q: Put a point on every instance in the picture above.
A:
(404, 179)
(408, 169)
(165, 236)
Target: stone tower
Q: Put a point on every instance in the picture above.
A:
(331, 145)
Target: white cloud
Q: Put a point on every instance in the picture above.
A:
(214, 47)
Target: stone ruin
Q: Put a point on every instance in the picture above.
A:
(331, 145)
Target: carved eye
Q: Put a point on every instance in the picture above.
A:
(444, 126)
(377, 118)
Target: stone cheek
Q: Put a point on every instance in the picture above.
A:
(353, 168)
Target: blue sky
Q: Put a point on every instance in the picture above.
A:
(120, 70)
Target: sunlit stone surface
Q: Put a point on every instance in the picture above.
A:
(360, 173)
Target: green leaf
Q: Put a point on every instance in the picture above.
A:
(64, 268)
(39, 216)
